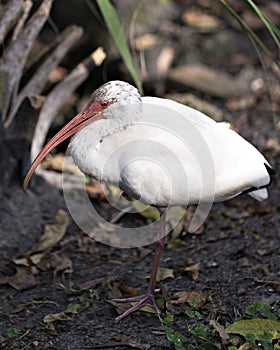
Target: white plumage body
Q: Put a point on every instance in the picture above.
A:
(165, 153)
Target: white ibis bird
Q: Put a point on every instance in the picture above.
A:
(162, 153)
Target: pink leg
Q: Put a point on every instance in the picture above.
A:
(149, 297)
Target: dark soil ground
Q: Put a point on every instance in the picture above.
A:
(237, 252)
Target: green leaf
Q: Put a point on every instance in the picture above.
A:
(147, 212)
(13, 332)
(263, 309)
(75, 308)
(266, 337)
(268, 314)
(193, 314)
(257, 306)
(255, 40)
(250, 310)
(273, 30)
(200, 332)
(168, 330)
(250, 338)
(256, 327)
(176, 338)
(114, 26)
(167, 318)
(86, 179)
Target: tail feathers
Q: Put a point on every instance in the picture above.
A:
(259, 195)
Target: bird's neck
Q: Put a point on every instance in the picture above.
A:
(88, 142)
(118, 118)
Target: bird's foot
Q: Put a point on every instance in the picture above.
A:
(141, 300)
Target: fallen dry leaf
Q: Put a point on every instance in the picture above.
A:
(59, 263)
(196, 18)
(188, 219)
(56, 317)
(174, 213)
(30, 260)
(260, 209)
(87, 245)
(255, 326)
(164, 273)
(197, 300)
(95, 189)
(193, 270)
(21, 280)
(245, 346)
(146, 308)
(91, 284)
(58, 163)
(127, 291)
(145, 41)
(53, 233)
(179, 297)
(220, 329)
(194, 299)
(148, 212)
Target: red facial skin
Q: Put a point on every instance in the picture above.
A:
(90, 114)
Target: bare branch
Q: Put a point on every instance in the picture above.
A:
(10, 14)
(57, 97)
(35, 85)
(14, 57)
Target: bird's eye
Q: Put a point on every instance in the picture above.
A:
(104, 104)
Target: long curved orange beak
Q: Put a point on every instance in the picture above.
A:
(91, 114)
